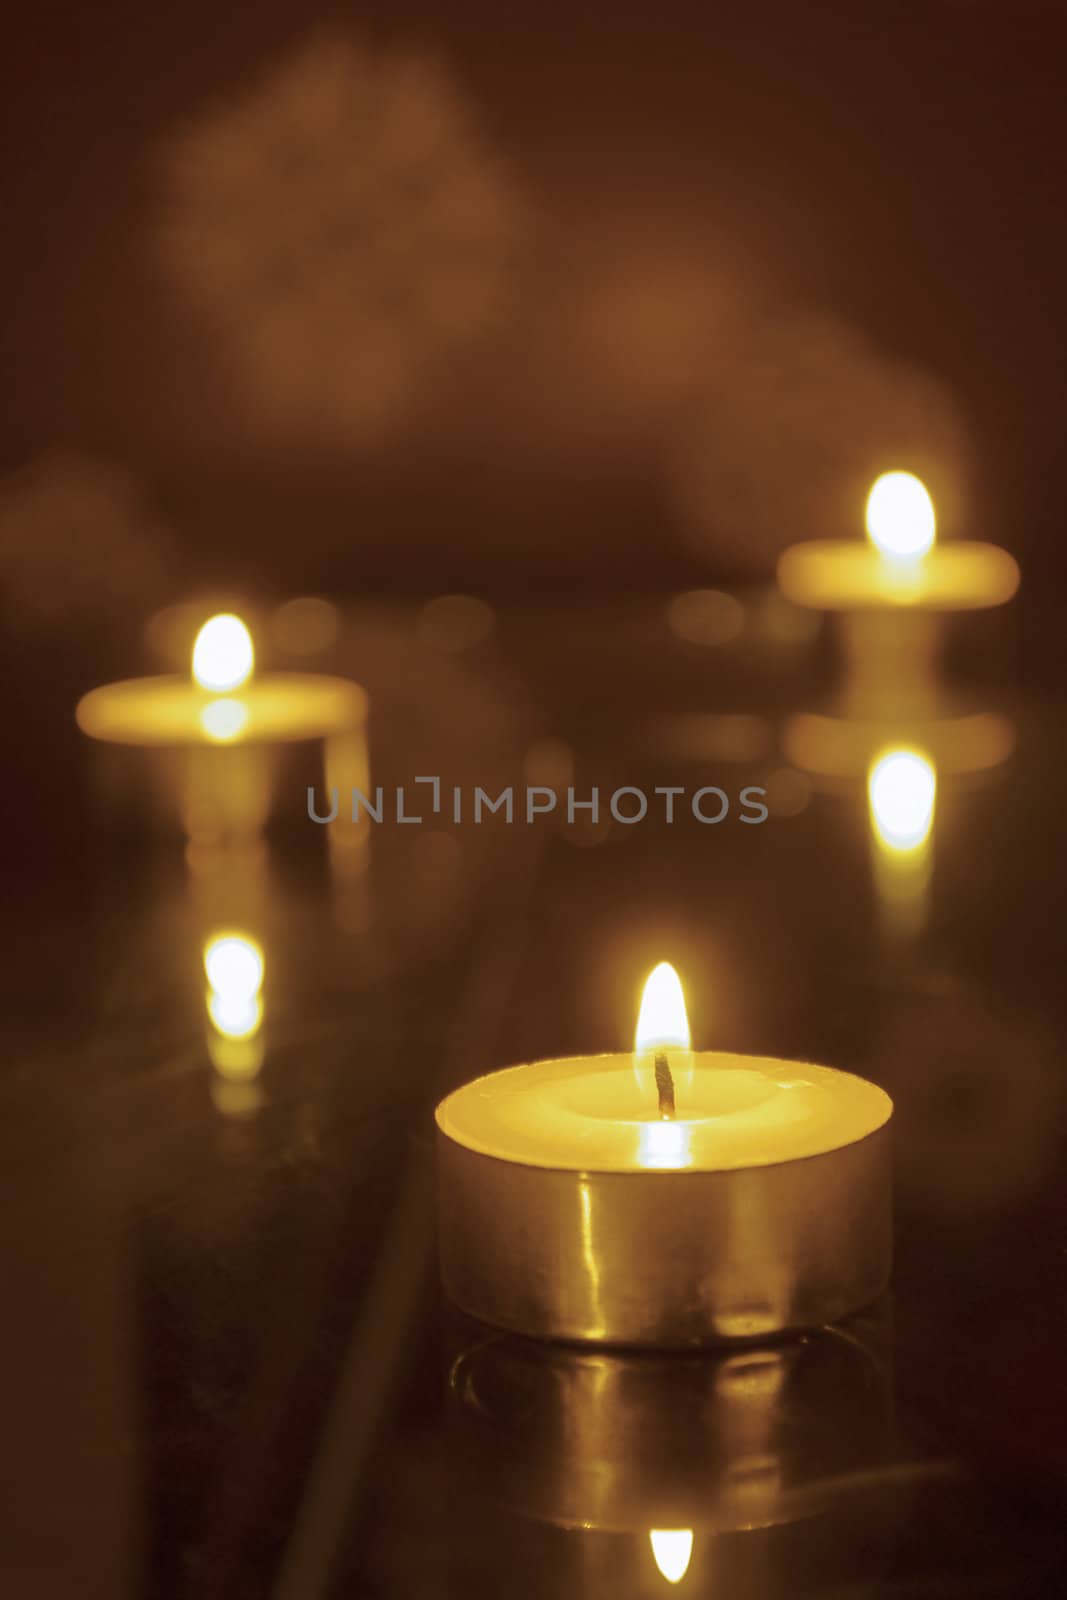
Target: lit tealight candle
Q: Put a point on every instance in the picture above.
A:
(677, 1450)
(221, 700)
(233, 966)
(890, 590)
(901, 565)
(221, 703)
(666, 1197)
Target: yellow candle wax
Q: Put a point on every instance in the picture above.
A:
(605, 1113)
(598, 1113)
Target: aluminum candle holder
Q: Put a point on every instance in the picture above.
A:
(665, 1198)
(665, 1259)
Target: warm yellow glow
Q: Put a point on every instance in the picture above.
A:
(223, 720)
(234, 964)
(672, 1551)
(234, 967)
(223, 656)
(235, 1016)
(902, 791)
(900, 516)
(236, 1060)
(665, 1145)
(662, 1019)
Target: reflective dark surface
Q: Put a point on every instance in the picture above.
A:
(228, 1370)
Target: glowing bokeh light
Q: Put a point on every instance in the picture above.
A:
(235, 1016)
(223, 656)
(902, 791)
(900, 516)
(234, 965)
(705, 616)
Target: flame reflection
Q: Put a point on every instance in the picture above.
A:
(672, 1551)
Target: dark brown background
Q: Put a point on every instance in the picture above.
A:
(898, 164)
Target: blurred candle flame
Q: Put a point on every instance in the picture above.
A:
(672, 1551)
(223, 655)
(900, 516)
(234, 967)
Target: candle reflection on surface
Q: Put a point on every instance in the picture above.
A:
(902, 787)
(224, 720)
(900, 518)
(662, 1042)
(901, 798)
(672, 1551)
(631, 1443)
(234, 966)
(220, 733)
(843, 748)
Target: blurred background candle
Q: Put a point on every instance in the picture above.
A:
(890, 592)
(228, 727)
(770, 1179)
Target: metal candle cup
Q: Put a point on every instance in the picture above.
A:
(561, 1222)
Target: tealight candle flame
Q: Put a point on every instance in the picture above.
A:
(223, 656)
(662, 1022)
(900, 516)
(663, 1064)
(234, 967)
(672, 1551)
(902, 792)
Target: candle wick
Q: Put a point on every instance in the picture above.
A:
(664, 1086)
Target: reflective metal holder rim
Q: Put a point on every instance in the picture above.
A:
(665, 1260)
